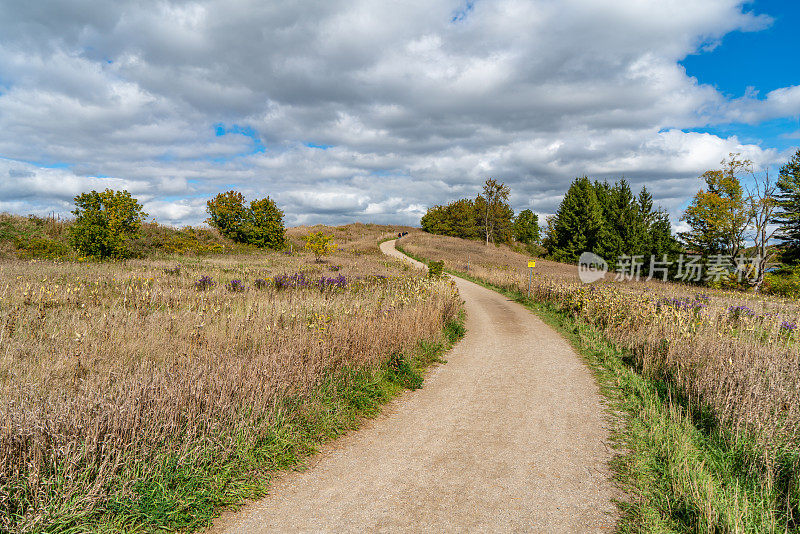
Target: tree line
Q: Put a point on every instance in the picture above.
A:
(489, 217)
(728, 220)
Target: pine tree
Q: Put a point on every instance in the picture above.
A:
(577, 223)
(788, 213)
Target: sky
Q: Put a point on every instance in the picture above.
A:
(373, 111)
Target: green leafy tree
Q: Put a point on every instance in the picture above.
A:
(526, 227)
(719, 217)
(105, 222)
(228, 214)
(457, 219)
(493, 206)
(787, 215)
(320, 243)
(259, 224)
(577, 224)
(265, 224)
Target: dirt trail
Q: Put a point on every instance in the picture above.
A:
(509, 436)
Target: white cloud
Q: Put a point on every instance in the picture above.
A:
(408, 107)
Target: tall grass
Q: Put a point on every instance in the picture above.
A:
(114, 374)
(730, 360)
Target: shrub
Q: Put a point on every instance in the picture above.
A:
(785, 283)
(261, 224)
(436, 268)
(320, 244)
(105, 222)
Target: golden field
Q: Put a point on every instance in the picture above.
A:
(106, 368)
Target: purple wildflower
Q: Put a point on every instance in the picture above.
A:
(235, 286)
(205, 283)
(284, 281)
(339, 282)
(788, 326)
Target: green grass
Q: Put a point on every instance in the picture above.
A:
(187, 492)
(680, 470)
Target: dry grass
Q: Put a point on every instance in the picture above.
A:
(107, 367)
(746, 367)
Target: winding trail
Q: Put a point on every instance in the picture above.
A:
(509, 436)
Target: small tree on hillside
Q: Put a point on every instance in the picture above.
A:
(492, 204)
(105, 222)
(265, 225)
(228, 214)
(320, 244)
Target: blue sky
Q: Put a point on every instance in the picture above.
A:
(759, 61)
(373, 111)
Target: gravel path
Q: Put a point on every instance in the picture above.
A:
(508, 436)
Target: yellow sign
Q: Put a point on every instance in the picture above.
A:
(531, 264)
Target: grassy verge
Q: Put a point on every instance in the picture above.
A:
(185, 493)
(680, 470)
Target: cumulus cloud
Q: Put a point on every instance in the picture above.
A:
(360, 110)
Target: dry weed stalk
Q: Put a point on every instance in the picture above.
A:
(108, 366)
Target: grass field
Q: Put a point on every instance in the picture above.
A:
(720, 371)
(145, 394)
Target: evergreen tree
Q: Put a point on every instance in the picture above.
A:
(577, 223)
(433, 221)
(787, 216)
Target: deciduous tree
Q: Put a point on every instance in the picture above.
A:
(260, 224)
(718, 217)
(105, 222)
(493, 206)
(526, 227)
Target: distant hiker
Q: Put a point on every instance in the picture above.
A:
(399, 235)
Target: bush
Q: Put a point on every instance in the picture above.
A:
(320, 244)
(105, 223)
(435, 268)
(261, 224)
(42, 247)
(785, 283)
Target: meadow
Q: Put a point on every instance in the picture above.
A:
(729, 361)
(131, 391)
